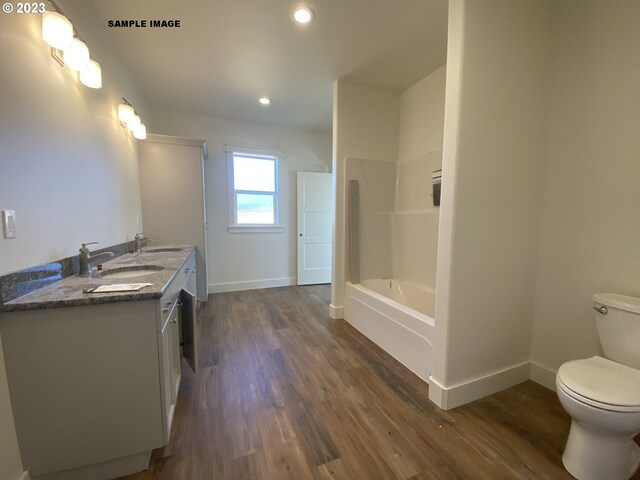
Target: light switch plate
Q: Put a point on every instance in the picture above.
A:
(9, 223)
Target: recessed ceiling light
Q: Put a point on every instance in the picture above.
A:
(264, 100)
(303, 15)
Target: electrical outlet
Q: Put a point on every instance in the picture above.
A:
(9, 223)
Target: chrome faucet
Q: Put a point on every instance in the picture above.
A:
(139, 241)
(86, 260)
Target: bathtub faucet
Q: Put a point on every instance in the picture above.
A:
(390, 281)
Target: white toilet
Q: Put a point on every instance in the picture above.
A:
(602, 395)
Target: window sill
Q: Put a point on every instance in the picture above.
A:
(256, 228)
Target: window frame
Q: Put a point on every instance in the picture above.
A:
(261, 154)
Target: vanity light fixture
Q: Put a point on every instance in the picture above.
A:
(125, 112)
(57, 31)
(91, 75)
(303, 14)
(134, 123)
(264, 100)
(131, 120)
(68, 48)
(141, 132)
(76, 55)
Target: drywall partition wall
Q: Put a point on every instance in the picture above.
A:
(66, 167)
(365, 125)
(173, 196)
(415, 221)
(241, 261)
(590, 228)
(493, 168)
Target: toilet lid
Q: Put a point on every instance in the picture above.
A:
(602, 380)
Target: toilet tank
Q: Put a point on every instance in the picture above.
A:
(619, 327)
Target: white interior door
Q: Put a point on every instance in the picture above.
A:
(314, 228)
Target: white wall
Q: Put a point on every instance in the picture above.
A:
(67, 168)
(249, 260)
(377, 192)
(365, 125)
(493, 169)
(415, 223)
(422, 116)
(590, 231)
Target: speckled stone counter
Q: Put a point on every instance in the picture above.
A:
(68, 292)
(26, 280)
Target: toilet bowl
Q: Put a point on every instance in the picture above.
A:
(603, 399)
(602, 396)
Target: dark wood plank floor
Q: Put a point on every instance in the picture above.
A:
(284, 392)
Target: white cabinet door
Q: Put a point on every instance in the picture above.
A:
(165, 372)
(175, 374)
(189, 329)
(314, 228)
(170, 368)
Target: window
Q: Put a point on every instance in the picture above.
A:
(253, 188)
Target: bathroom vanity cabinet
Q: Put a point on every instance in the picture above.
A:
(177, 337)
(94, 387)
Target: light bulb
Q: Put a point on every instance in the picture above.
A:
(125, 113)
(264, 100)
(76, 55)
(57, 31)
(303, 15)
(91, 75)
(134, 123)
(141, 132)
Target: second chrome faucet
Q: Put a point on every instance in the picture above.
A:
(86, 260)
(139, 241)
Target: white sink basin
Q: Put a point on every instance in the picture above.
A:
(130, 272)
(161, 250)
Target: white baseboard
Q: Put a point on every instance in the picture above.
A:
(336, 312)
(464, 392)
(543, 375)
(23, 476)
(252, 285)
(102, 471)
(437, 393)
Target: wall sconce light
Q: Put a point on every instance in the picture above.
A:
(58, 33)
(76, 55)
(91, 75)
(141, 132)
(125, 112)
(131, 120)
(134, 123)
(68, 49)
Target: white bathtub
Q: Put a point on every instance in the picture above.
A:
(398, 317)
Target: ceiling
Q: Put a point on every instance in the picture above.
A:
(227, 53)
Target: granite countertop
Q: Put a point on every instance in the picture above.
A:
(68, 292)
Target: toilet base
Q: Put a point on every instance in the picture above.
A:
(594, 455)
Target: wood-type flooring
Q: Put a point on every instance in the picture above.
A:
(285, 392)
